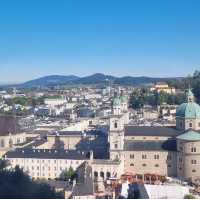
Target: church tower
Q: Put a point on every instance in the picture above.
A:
(116, 131)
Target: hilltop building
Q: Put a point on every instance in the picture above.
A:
(163, 87)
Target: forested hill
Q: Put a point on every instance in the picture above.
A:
(97, 78)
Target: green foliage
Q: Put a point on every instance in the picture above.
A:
(16, 184)
(68, 175)
(25, 101)
(190, 81)
(189, 197)
(143, 97)
(20, 100)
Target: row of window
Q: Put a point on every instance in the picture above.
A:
(46, 161)
(193, 170)
(144, 165)
(43, 174)
(144, 156)
(190, 124)
(44, 168)
(144, 138)
(193, 149)
(192, 161)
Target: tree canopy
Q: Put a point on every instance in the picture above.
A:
(14, 183)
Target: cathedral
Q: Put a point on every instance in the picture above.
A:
(166, 151)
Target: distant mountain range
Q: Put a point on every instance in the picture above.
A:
(97, 78)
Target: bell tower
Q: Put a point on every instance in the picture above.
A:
(116, 136)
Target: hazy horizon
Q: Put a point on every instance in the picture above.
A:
(155, 39)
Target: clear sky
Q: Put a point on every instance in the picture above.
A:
(81, 37)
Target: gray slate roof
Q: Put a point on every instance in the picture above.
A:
(169, 145)
(47, 154)
(151, 131)
(59, 185)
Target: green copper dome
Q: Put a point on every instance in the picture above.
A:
(116, 101)
(189, 110)
(124, 99)
(190, 136)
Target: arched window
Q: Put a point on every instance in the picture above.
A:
(95, 174)
(102, 174)
(190, 125)
(108, 174)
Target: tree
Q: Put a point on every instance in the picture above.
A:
(16, 184)
(196, 89)
(68, 175)
(3, 164)
(189, 196)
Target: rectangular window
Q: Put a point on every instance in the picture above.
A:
(169, 157)
(193, 161)
(193, 149)
(144, 156)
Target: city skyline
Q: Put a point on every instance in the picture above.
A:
(123, 39)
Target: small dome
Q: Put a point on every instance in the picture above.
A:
(116, 101)
(124, 99)
(189, 110)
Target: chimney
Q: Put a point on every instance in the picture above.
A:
(91, 155)
(74, 183)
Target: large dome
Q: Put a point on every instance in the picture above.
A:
(189, 110)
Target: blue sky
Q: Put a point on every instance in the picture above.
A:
(81, 37)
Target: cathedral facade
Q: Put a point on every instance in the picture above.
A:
(165, 151)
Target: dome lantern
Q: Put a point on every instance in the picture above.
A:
(190, 96)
